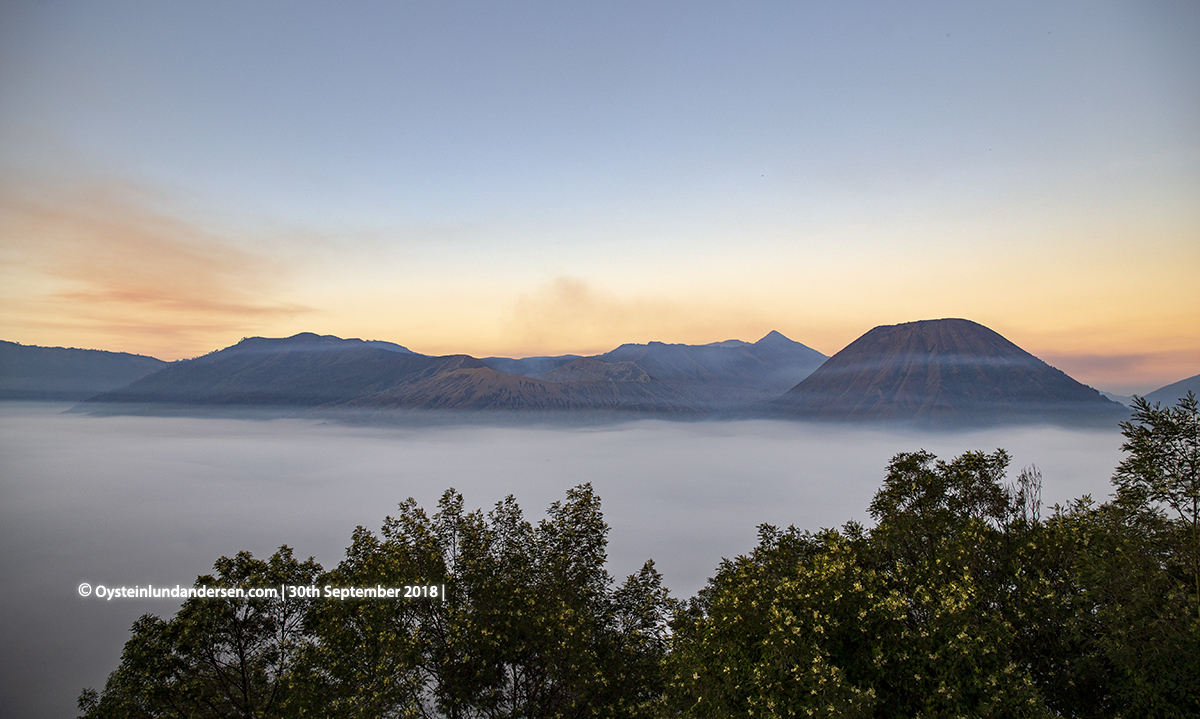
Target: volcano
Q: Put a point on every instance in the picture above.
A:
(943, 372)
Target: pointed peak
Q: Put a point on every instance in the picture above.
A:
(775, 337)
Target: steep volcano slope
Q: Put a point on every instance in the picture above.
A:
(944, 372)
(32, 372)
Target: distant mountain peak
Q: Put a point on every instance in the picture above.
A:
(308, 341)
(776, 338)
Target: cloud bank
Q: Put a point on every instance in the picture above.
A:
(106, 265)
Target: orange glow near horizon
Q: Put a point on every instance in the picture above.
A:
(523, 182)
(110, 270)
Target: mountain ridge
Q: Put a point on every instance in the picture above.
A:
(67, 373)
(1171, 393)
(327, 372)
(948, 371)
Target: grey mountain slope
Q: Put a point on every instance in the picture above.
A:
(310, 371)
(308, 341)
(1175, 391)
(528, 366)
(1122, 399)
(483, 388)
(590, 369)
(724, 375)
(59, 373)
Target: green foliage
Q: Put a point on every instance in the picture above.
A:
(531, 625)
(1164, 462)
(914, 618)
(1137, 615)
(1163, 469)
(773, 633)
(367, 657)
(1137, 650)
(961, 600)
(215, 658)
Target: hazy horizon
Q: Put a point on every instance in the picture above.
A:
(1116, 387)
(539, 178)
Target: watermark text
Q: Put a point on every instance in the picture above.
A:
(283, 591)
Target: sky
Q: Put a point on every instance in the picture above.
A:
(540, 178)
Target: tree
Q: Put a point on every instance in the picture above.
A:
(530, 625)
(217, 657)
(535, 627)
(1135, 582)
(951, 539)
(1163, 468)
(924, 615)
(367, 658)
(789, 630)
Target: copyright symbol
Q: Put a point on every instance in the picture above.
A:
(85, 589)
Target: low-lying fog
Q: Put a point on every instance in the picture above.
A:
(142, 500)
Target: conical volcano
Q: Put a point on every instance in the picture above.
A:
(943, 372)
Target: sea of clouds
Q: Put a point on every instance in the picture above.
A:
(151, 500)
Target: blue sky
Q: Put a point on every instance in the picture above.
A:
(524, 178)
